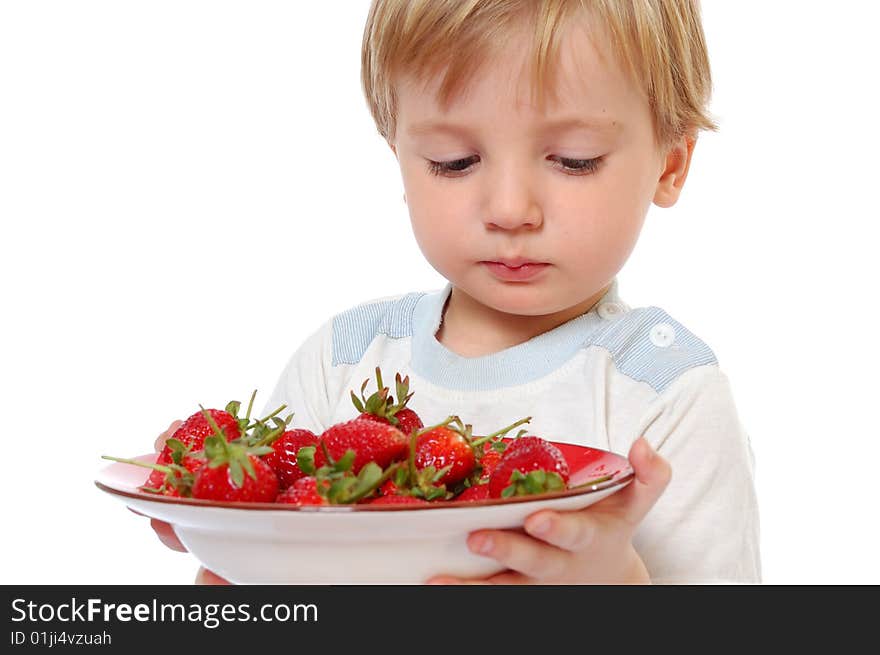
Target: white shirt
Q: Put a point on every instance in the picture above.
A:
(602, 379)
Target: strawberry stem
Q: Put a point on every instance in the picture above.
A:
(271, 437)
(488, 437)
(148, 465)
(379, 378)
(449, 419)
(326, 451)
(212, 422)
(275, 413)
(366, 491)
(411, 460)
(247, 416)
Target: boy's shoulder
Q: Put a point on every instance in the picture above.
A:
(648, 345)
(355, 328)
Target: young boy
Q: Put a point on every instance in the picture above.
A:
(533, 136)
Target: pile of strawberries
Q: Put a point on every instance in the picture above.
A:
(385, 455)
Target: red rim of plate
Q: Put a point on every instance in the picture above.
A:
(619, 478)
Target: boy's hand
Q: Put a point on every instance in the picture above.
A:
(593, 545)
(162, 438)
(164, 530)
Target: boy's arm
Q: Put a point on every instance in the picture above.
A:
(704, 528)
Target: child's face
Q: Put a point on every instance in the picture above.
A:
(515, 185)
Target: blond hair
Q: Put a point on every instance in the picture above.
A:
(660, 44)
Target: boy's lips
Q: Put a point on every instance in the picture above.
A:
(515, 270)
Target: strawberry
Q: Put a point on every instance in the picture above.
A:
(191, 435)
(488, 450)
(530, 465)
(235, 472)
(407, 420)
(174, 452)
(303, 492)
(488, 461)
(194, 429)
(167, 479)
(282, 459)
(178, 483)
(477, 492)
(388, 488)
(441, 460)
(371, 441)
(381, 407)
(337, 482)
(443, 447)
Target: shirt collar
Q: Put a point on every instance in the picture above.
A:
(518, 364)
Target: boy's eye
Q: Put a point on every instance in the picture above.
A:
(576, 166)
(456, 167)
(451, 168)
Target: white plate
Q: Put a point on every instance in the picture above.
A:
(265, 543)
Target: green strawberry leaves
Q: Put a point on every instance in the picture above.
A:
(534, 482)
(380, 403)
(349, 489)
(335, 481)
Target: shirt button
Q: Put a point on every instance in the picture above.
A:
(609, 310)
(662, 335)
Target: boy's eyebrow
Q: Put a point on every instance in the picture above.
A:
(563, 125)
(589, 124)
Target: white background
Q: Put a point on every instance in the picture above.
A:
(188, 189)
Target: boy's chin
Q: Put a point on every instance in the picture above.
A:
(520, 299)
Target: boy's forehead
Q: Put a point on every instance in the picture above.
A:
(587, 89)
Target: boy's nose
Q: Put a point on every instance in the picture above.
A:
(512, 203)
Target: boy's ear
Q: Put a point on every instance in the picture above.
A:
(677, 163)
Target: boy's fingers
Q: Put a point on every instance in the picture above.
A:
(206, 577)
(652, 475)
(447, 580)
(503, 578)
(572, 531)
(520, 553)
(162, 438)
(167, 535)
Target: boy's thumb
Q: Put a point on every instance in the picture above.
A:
(652, 475)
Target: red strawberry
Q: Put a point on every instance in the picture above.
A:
(370, 440)
(477, 492)
(172, 486)
(157, 477)
(488, 461)
(191, 434)
(235, 472)
(441, 447)
(168, 479)
(397, 500)
(282, 459)
(302, 492)
(194, 429)
(381, 407)
(407, 420)
(530, 465)
(177, 483)
(219, 484)
(174, 452)
(388, 488)
(512, 445)
(490, 448)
